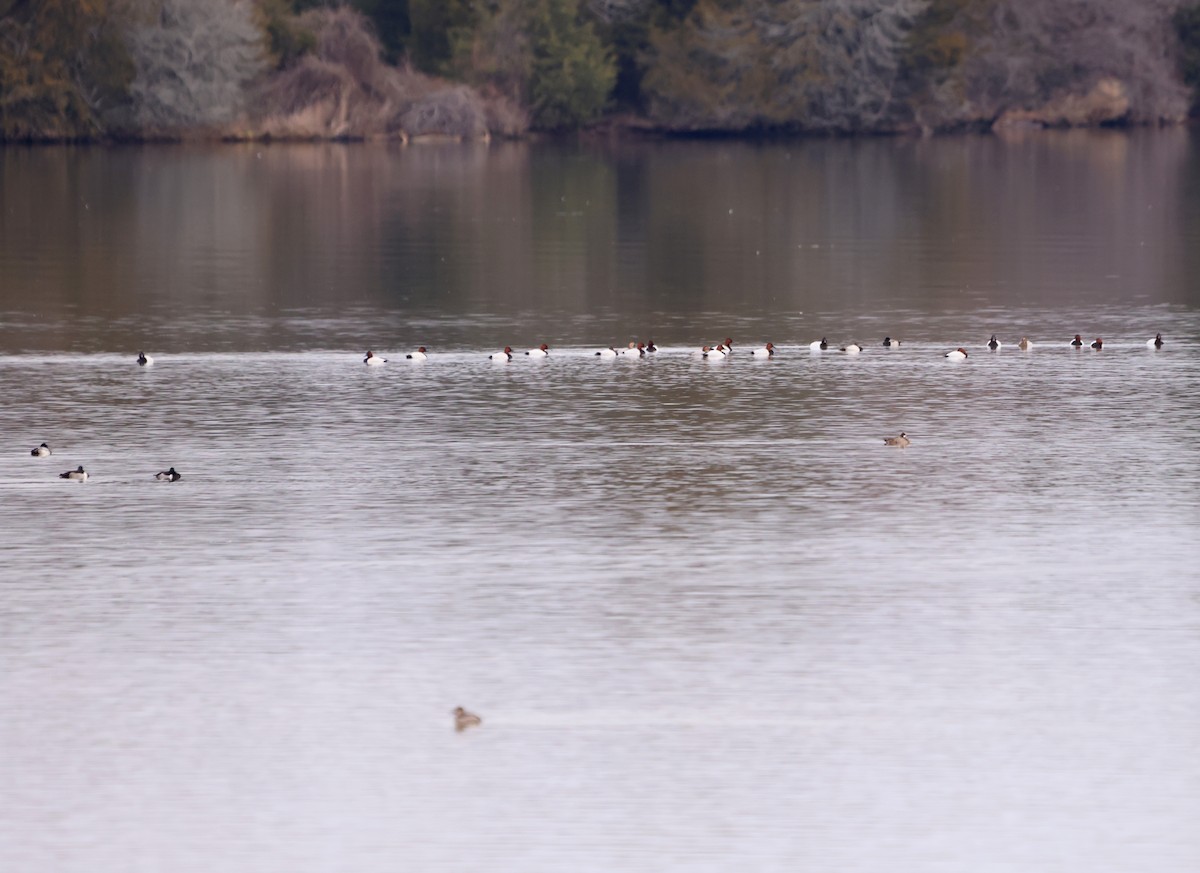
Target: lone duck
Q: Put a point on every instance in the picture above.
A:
(418, 355)
(541, 351)
(765, 352)
(169, 476)
(373, 360)
(1024, 345)
(820, 345)
(42, 451)
(994, 343)
(900, 441)
(503, 356)
(1157, 342)
(957, 355)
(1078, 341)
(143, 360)
(78, 474)
(1098, 344)
(888, 342)
(464, 719)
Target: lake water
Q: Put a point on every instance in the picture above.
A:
(710, 621)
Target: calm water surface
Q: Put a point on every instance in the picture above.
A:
(710, 621)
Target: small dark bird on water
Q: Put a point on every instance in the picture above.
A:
(464, 719)
(169, 476)
(1098, 344)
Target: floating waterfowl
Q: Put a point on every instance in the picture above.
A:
(541, 351)
(418, 355)
(716, 354)
(765, 352)
(819, 345)
(373, 360)
(852, 348)
(888, 342)
(144, 360)
(1157, 342)
(1078, 341)
(1098, 344)
(651, 347)
(505, 355)
(900, 441)
(957, 355)
(1025, 345)
(609, 352)
(77, 475)
(994, 343)
(42, 451)
(464, 719)
(169, 476)
(634, 350)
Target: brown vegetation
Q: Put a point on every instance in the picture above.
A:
(345, 90)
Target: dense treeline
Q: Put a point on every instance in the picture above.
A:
(351, 68)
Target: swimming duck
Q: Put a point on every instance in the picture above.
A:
(765, 352)
(994, 343)
(418, 355)
(651, 347)
(609, 352)
(635, 350)
(464, 719)
(169, 476)
(888, 342)
(1078, 341)
(143, 360)
(1025, 344)
(716, 354)
(957, 355)
(78, 474)
(373, 360)
(1098, 344)
(852, 348)
(1157, 342)
(541, 351)
(819, 345)
(42, 451)
(728, 346)
(900, 441)
(505, 355)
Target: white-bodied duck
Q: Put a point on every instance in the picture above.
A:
(169, 476)
(42, 451)
(418, 355)
(76, 475)
(373, 360)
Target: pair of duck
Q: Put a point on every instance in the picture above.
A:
(995, 344)
(851, 348)
(81, 475)
(373, 360)
(633, 350)
(1078, 342)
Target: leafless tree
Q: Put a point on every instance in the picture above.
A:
(194, 62)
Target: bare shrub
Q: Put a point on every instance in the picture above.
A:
(346, 90)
